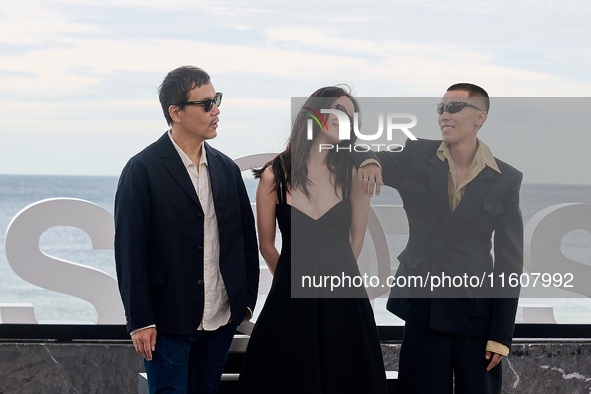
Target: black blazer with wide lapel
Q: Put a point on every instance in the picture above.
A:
(159, 239)
(455, 243)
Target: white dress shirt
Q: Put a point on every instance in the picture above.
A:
(216, 308)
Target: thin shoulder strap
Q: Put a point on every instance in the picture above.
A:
(281, 185)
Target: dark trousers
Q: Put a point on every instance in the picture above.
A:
(191, 363)
(429, 361)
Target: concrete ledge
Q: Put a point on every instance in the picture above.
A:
(49, 367)
(534, 366)
(548, 367)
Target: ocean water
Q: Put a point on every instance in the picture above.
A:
(18, 191)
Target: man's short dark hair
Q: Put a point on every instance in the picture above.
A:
(176, 86)
(473, 91)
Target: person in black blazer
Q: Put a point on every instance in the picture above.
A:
(185, 243)
(456, 196)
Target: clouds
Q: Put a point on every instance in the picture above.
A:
(32, 24)
(418, 68)
(58, 56)
(77, 66)
(89, 68)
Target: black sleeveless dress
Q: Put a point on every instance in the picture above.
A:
(313, 345)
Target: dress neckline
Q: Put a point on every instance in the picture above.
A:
(321, 216)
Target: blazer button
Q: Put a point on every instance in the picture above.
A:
(493, 211)
(200, 249)
(200, 282)
(200, 216)
(412, 188)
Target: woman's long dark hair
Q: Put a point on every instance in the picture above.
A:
(291, 164)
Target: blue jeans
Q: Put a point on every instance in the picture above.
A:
(189, 363)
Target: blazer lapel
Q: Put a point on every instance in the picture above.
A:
(174, 165)
(438, 172)
(475, 192)
(215, 176)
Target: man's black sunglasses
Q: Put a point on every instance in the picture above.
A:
(453, 107)
(207, 104)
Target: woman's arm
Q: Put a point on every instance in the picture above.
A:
(359, 217)
(266, 199)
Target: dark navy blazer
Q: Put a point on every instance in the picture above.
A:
(159, 240)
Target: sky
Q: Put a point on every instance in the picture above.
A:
(78, 79)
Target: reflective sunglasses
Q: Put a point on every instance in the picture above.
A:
(207, 104)
(453, 107)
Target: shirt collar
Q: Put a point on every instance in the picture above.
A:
(483, 155)
(184, 158)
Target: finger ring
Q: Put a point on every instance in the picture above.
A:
(366, 179)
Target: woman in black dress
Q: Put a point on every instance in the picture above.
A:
(324, 344)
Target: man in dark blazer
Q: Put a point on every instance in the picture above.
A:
(185, 243)
(456, 196)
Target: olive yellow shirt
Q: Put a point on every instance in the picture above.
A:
(482, 158)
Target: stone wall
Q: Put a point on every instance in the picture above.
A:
(70, 367)
(534, 366)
